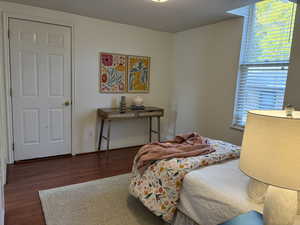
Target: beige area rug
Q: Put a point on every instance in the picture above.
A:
(100, 202)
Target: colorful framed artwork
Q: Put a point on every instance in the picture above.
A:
(138, 76)
(113, 70)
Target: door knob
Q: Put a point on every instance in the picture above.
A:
(67, 103)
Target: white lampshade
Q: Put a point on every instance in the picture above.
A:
(271, 148)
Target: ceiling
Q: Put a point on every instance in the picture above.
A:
(171, 16)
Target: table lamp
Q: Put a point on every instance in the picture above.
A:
(271, 154)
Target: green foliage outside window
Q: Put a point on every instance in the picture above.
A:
(271, 31)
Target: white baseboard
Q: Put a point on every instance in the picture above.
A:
(167, 138)
(1, 216)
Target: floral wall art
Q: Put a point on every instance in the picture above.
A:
(113, 70)
(121, 73)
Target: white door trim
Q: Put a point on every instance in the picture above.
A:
(7, 75)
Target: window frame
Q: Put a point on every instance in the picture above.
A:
(248, 28)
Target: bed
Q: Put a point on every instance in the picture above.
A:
(208, 189)
(158, 187)
(214, 194)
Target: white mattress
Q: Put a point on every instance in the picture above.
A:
(216, 193)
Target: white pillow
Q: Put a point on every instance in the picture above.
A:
(256, 190)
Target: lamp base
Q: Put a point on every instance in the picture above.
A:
(280, 206)
(257, 190)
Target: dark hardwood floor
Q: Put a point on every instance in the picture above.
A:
(25, 179)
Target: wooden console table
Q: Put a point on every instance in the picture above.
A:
(109, 114)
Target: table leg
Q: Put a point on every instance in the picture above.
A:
(158, 128)
(108, 136)
(100, 135)
(150, 129)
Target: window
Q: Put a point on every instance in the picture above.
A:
(264, 60)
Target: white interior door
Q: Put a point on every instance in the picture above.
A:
(40, 57)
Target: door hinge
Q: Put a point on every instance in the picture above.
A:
(8, 34)
(11, 92)
(13, 146)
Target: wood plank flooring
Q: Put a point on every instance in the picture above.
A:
(25, 179)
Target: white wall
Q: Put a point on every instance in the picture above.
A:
(292, 95)
(3, 150)
(200, 64)
(1, 199)
(3, 155)
(3, 144)
(206, 66)
(91, 37)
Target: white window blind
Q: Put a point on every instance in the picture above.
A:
(264, 57)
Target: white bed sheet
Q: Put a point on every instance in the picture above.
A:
(216, 193)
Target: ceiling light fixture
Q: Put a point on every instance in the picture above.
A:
(160, 1)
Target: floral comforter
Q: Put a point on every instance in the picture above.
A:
(158, 188)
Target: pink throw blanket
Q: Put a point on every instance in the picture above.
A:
(183, 146)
